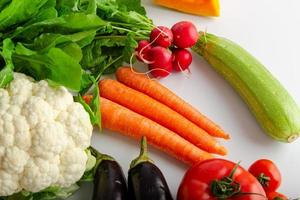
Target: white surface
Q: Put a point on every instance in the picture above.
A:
(270, 30)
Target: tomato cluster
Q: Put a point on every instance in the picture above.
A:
(167, 49)
(222, 179)
(269, 177)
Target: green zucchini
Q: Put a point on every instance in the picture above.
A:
(273, 107)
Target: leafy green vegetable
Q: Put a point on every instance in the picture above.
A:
(55, 65)
(3, 3)
(6, 73)
(89, 6)
(66, 24)
(125, 21)
(46, 41)
(19, 11)
(107, 52)
(66, 6)
(133, 5)
(47, 11)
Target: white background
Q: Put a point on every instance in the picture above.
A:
(270, 30)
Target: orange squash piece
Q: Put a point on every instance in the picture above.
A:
(196, 7)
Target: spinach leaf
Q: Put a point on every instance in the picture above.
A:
(6, 73)
(47, 11)
(67, 24)
(48, 40)
(88, 6)
(131, 5)
(100, 55)
(106, 53)
(55, 65)
(66, 6)
(73, 50)
(19, 11)
(4, 3)
(69, 6)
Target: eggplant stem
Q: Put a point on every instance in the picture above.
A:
(143, 157)
(99, 156)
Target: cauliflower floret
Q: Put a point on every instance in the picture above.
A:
(20, 87)
(6, 130)
(72, 166)
(4, 101)
(59, 99)
(2, 152)
(37, 110)
(69, 118)
(14, 160)
(48, 140)
(43, 137)
(40, 173)
(9, 183)
(22, 135)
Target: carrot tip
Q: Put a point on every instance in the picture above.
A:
(226, 137)
(222, 151)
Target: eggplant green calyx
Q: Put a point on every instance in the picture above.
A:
(143, 157)
(99, 156)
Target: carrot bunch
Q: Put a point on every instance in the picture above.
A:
(137, 106)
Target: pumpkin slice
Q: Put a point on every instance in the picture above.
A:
(196, 7)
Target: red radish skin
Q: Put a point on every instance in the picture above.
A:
(142, 51)
(182, 59)
(161, 61)
(161, 71)
(161, 36)
(185, 34)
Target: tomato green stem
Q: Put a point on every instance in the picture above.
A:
(227, 187)
(277, 198)
(263, 180)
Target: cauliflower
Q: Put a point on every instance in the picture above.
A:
(43, 137)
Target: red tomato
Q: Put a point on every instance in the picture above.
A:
(198, 182)
(276, 196)
(267, 174)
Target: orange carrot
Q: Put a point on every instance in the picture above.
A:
(158, 112)
(157, 91)
(120, 119)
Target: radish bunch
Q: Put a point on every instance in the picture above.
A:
(167, 49)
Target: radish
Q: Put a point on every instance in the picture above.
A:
(185, 34)
(142, 51)
(161, 61)
(161, 36)
(160, 71)
(182, 59)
